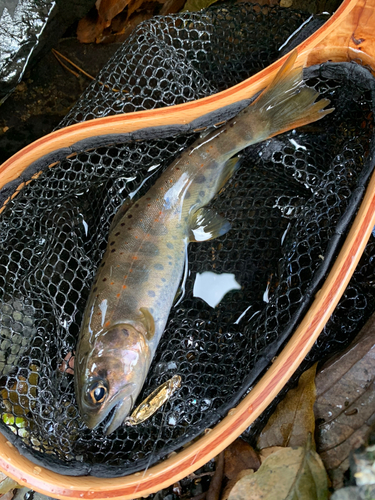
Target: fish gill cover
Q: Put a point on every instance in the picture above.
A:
(290, 205)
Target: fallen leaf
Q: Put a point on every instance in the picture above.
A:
(266, 452)
(196, 5)
(114, 20)
(228, 488)
(288, 474)
(108, 9)
(293, 420)
(345, 403)
(6, 485)
(239, 456)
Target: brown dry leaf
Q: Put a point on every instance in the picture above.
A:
(293, 419)
(345, 402)
(114, 20)
(89, 30)
(108, 9)
(239, 456)
(288, 474)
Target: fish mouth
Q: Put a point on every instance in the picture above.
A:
(119, 414)
(117, 409)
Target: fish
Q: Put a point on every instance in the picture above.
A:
(142, 267)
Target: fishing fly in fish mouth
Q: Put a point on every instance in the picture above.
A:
(142, 267)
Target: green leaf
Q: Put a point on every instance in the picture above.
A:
(287, 474)
(196, 5)
(293, 420)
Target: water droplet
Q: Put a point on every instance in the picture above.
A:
(232, 411)
(37, 470)
(172, 420)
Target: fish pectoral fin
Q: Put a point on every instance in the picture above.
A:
(206, 224)
(128, 203)
(148, 321)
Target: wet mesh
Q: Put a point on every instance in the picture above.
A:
(290, 205)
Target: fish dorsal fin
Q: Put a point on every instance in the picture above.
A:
(121, 212)
(206, 224)
(148, 321)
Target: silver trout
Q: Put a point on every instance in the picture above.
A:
(138, 278)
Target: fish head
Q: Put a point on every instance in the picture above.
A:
(110, 375)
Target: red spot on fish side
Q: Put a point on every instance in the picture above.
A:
(124, 286)
(107, 323)
(112, 282)
(118, 295)
(135, 257)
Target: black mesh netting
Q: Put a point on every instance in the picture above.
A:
(290, 206)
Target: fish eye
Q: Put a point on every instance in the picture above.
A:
(98, 392)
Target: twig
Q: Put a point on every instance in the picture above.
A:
(60, 56)
(214, 490)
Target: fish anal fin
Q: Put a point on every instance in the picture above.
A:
(206, 224)
(128, 203)
(148, 321)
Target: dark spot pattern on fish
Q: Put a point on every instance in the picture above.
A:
(159, 267)
(149, 248)
(200, 179)
(187, 195)
(170, 246)
(151, 293)
(163, 280)
(201, 194)
(158, 229)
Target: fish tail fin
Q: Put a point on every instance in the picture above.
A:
(287, 102)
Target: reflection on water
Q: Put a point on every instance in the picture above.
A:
(212, 287)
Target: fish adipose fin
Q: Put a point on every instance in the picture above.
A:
(287, 102)
(206, 224)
